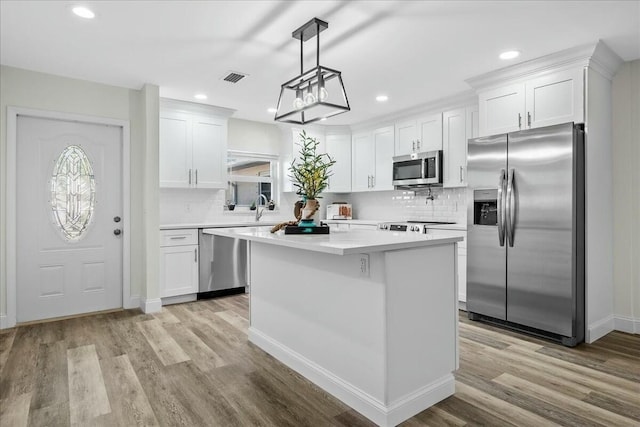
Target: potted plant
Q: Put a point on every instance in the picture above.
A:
(310, 174)
(253, 206)
(230, 205)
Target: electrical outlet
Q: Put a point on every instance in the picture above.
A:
(364, 265)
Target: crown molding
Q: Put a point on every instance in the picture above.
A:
(596, 55)
(461, 99)
(194, 107)
(605, 61)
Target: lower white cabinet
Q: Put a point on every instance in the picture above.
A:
(462, 258)
(178, 262)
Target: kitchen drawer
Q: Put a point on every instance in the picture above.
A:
(178, 237)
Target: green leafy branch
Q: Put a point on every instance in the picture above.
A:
(310, 172)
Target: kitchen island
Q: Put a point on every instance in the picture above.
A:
(369, 316)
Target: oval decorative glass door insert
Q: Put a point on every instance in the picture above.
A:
(73, 192)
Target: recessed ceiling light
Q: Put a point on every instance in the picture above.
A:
(272, 110)
(200, 96)
(83, 12)
(323, 119)
(382, 98)
(509, 54)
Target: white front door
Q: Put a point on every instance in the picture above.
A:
(69, 209)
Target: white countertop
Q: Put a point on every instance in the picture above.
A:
(338, 242)
(221, 224)
(462, 227)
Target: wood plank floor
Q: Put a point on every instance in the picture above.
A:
(191, 365)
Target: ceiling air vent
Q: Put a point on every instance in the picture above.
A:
(233, 77)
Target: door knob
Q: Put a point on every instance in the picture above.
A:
(116, 219)
(117, 231)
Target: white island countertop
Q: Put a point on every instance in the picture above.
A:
(338, 242)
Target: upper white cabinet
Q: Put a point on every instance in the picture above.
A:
(363, 161)
(372, 160)
(339, 148)
(556, 98)
(418, 135)
(193, 145)
(454, 141)
(551, 99)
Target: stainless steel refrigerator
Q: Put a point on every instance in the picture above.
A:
(525, 249)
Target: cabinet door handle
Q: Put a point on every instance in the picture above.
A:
(460, 173)
(373, 181)
(413, 145)
(196, 176)
(189, 176)
(178, 237)
(418, 143)
(195, 258)
(519, 121)
(529, 118)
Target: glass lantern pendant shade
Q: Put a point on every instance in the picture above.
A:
(315, 94)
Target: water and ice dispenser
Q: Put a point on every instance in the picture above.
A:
(485, 207)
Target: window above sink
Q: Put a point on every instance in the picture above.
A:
(249, 175)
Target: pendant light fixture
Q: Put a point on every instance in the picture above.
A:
(315, 94)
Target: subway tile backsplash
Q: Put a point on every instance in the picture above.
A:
(184, 206)
(448, 204)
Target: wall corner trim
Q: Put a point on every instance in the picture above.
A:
(153, 305)
(600, 328)
(6, 322)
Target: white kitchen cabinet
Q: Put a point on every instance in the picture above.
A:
(501, 110)
(363, 161)
(178, 262)
(473, 120)
(418, 135)
(372, 160)
(193, 147)
(555, 98)
(383, 175)
(454, 142)
(339, 148)
(543, 101)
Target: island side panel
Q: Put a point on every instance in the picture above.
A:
(421, 325)
(319, 307)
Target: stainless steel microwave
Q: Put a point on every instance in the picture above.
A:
(418, 170)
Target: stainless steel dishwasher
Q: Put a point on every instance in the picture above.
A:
(223, 265)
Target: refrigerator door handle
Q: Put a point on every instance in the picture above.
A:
(500, 210)
(511, 209)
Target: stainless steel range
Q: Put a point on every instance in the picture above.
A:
(410, 226)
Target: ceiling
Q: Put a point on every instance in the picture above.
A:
(413, 51)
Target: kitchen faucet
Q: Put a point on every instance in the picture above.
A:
(258, 211)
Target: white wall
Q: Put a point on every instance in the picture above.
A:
(30, 89)
(626, 197)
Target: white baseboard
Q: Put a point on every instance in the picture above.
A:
(5, 322)
(179, 299)
(462, 305)
(134, 302)
(153, 305)
(381, 414)
(597, 330)
(626, 324)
